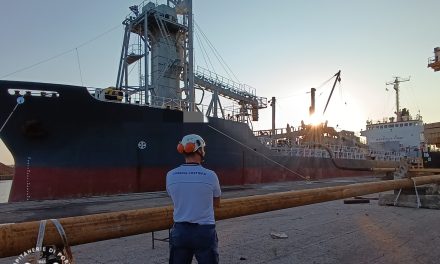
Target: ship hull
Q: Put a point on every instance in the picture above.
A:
(431, 159)
(73, 145)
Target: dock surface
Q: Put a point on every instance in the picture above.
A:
(331, 232)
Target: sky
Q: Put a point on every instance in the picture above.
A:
(281, 48)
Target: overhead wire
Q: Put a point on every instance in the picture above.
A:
(61, 53)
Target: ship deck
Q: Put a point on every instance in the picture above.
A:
(330, 232)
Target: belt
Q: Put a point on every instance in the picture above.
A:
(187, 223)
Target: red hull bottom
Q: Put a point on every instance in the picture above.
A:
(57, 183)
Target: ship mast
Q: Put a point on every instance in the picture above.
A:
(396, 83)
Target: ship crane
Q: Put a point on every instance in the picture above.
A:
(396, 84)
(159, 37)
(434, 62)
(337, 79)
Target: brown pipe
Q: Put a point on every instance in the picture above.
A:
(428, 170)
(16, 238)
(383, 169)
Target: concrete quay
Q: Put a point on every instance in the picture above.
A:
(331, 232)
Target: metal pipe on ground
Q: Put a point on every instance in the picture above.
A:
(16, 238)
(426, 170)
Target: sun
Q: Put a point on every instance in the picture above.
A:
(316, 119)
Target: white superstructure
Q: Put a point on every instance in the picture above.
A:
(405, 137)
(401, 134)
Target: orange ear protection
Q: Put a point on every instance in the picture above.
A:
(188, 148)
(180, 148)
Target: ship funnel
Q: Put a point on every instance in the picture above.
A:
(312, 98)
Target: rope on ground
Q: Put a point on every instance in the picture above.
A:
(66, 248)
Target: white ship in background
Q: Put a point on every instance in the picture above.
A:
(401, 135)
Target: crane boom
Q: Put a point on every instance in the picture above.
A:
(337, 79)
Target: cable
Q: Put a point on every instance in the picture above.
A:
(261, 154)
(132, 68)
(7, 119)
(318, 87)
(202, 47)
(217, 55)
(79, 67)
(324, 83)
(293, 95)
(59, 54)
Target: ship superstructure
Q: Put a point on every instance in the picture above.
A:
(159, 38)
(402, 134)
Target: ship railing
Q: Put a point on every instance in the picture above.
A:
(141, 6)
(163, 102)
(318, 153)
(169, 103)
(232, 112)
(226, 83)
(278, 131)
(338, 152)
(385, 155)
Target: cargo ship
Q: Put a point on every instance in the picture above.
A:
(406, 135)
(72, 141)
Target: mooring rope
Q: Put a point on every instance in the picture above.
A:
(307, 178)
(66, 248)
(13, 110)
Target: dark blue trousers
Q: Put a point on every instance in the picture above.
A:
(189, 239)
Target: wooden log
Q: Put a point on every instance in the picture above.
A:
(16, 238)
(427, 170)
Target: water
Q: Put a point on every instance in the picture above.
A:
(5, 188)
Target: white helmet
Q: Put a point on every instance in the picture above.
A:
(190, 143)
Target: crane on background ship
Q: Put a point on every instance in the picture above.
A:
(434, 62)
(432, 131)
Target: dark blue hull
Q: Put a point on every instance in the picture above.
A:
(73, 145)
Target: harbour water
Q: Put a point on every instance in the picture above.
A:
(5, 188)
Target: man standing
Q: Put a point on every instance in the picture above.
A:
(195, 192)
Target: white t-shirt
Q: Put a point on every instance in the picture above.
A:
(192, 189)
